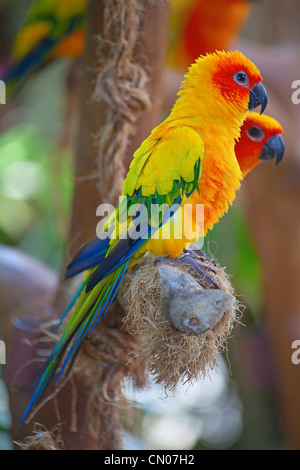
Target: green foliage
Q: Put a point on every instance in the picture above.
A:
(231, 243)
(35, 192)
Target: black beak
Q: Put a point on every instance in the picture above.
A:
(273, 148)
(258, 96)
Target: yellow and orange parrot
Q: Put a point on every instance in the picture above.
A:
(260, 141)
(201, 26)
(187, 160)
(53, 29)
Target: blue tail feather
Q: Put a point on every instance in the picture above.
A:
(115, 262)
(90, 255)
(88, 322)
(114, 291)
(119, 254)
(71, 304)
(29, 62)
(91, 322)
(125, 248)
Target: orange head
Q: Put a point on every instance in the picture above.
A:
(260, 140)
(221, 86)
(237, 79)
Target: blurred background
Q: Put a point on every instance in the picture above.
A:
(252, 401)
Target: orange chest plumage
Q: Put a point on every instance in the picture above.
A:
(219, 180)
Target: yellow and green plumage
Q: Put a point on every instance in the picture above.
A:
(52, 29)
(188, 159)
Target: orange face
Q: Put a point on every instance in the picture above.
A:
(260, 140)
(237, 82)
(238, 77)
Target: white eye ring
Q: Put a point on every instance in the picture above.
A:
(241, 78)
(255, 133)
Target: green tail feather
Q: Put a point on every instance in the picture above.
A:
(87, 311)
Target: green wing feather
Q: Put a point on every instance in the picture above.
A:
(178, 158)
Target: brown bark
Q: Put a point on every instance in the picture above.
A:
(150, 53)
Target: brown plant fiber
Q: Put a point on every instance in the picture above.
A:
(170, 355)
(121, 84)
(41, 439)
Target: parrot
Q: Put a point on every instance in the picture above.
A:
(260, 140)
(187, 160)
(201, 26)
(52, 29)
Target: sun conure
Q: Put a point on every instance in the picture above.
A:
(52, 29)
(260, 141)
(201, 26)
(188, 161)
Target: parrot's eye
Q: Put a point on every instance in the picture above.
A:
(241, 78)
(255, 133)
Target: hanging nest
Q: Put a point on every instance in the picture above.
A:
(170, 323)
(182, 323)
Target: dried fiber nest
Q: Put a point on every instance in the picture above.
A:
(171, 355)
(146, 342)
(41, 439)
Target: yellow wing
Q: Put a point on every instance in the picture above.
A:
(167, 163)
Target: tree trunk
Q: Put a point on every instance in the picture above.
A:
(101, 124)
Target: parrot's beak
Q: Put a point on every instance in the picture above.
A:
(273, 148)
(258, 96)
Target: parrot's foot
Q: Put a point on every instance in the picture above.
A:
(195, 261)
(197, 253)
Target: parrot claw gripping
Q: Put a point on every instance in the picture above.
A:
(196, 252)
(190, 258)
